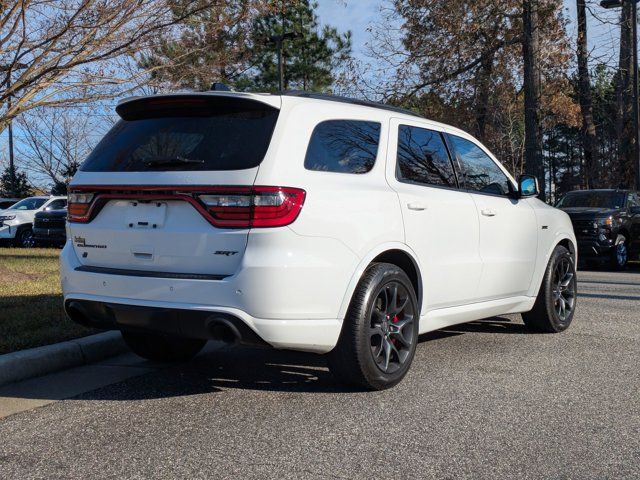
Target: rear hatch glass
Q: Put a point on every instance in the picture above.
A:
(185, 133)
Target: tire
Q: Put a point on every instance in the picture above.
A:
(162, 348)
(380, 332)
(556, 302)
(25, 238)
(619, 254)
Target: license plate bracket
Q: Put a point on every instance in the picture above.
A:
(146, 215)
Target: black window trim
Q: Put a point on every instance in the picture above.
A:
(512, 187)
(341, 119)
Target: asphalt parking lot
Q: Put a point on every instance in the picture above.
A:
(483, 400)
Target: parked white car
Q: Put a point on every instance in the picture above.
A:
(16, 222)
(305, 222)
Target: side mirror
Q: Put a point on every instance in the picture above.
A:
(528, 186)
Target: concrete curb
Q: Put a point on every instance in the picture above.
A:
(36, 362)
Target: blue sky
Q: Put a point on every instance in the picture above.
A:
(358, 15)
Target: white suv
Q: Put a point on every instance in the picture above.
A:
(305, 222)
(16, 222)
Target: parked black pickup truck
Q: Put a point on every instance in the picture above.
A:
(606, 224)
(49, 227)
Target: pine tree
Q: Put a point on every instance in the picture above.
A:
(18, 188)
(309, 58)
(213, 45)
(232, 43)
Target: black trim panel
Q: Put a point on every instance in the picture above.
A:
(149, 273)
(176, 322)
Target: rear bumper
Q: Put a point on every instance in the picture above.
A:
(200, 321)
(289, 290)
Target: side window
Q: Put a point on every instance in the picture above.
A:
(57, 205)
(343, 146)
(423, 158)
(481, 173)
(633, 200)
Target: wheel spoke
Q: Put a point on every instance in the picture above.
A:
(391, 305)
(570, 301)
(399, 309)
(566, 280)
(398, 332)
(387, 352)
(394, 349)
(378, 351)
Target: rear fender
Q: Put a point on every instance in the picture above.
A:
(366, 261)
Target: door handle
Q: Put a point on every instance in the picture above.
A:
(416, 206)
(487, 212)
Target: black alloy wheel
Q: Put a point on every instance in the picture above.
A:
(564, 289)
(555, 305)
(620, 254)
(391, 330)
(380, 331)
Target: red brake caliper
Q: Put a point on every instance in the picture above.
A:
(394, 320)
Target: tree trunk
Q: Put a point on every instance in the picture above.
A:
(483, 94)
(623, 176)
(532, 130)
(589, 135)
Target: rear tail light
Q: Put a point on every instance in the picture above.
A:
(255, 207)
(223, 207)
(79, 205)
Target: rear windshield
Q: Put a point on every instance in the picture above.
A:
(190, 133)
(593, 200)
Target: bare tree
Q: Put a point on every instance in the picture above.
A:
(62, 52)
(56, 141)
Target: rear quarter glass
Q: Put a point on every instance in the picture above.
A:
(185, 133)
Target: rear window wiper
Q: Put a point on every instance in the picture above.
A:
(172, 161)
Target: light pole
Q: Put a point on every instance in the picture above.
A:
(9, 69)
(279, 41)
(636, 91)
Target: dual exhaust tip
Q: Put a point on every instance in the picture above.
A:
(227, 329)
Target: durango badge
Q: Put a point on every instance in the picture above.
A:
(81, 242)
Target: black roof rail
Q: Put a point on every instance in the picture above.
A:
(352, 101)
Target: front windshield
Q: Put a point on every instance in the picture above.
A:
(586, 199)
(28, 204)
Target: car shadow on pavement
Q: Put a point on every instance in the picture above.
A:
(261, 370)
(223, 368)
(489, 325)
